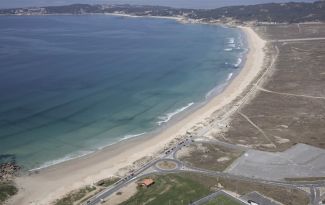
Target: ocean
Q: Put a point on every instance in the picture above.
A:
(70, 85)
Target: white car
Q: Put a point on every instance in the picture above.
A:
(252, 202)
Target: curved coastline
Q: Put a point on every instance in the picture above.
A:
(55, 181)
(167, 119)
(164, 121)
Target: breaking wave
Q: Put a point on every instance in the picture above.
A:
(63, 159)
(132, 136)
(168, 116)
(229, 76)
(231, 40)
(237, 64)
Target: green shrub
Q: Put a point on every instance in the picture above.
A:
(7, 190)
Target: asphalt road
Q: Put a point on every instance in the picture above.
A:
(171, 154)
(298, 39)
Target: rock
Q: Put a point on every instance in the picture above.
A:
(8, 171)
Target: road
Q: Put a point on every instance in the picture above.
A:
(315, 198)
(171, 155)
(291, 94)
(298, 39)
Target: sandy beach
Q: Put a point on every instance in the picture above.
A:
(132, 16)
(55, 181)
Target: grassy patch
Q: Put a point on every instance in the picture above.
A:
(169, 189)
(222, 200)
(7, 190)
(75, 196)
(284, 195)
(186, 187)
(210, 156)
(107, 182)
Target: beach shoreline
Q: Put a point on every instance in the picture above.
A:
(57, 180)
(163, 124)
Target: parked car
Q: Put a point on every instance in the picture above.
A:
(251, 202)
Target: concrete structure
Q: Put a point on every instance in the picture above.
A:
(299, 161)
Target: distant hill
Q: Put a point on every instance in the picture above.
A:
(193, 4)
(272, 12)
(284, 12)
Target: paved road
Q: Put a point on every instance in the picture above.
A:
(169, 154)
(119, 184)
(178, 164)
(181, 167)
(298, 39)
(291, 94)
(315, 198)
(172, 154)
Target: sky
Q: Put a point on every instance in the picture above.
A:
(172, 3)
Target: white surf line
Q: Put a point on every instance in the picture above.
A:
(290, 94)
(267, 70)
(165, 118)
(252, 91)
(257, 127)
(298, 39)
(259, 81)
(247, 96)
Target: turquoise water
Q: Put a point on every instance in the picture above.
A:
(72, 84)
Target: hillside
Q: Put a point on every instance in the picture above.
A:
(272, 12)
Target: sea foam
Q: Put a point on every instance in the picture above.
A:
(80, 154)
(168, 116)
(229, 76)
(132, 136)
(63, 159)
(237, 64)
(219, 87)
(231, 40)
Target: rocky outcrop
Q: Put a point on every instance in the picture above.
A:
(8, 171)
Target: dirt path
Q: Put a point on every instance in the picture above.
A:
(290, 94)
(257, 127)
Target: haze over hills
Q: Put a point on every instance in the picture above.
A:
(292, 12)
(171, 3)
